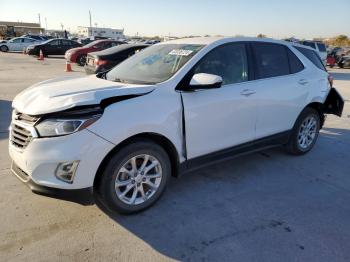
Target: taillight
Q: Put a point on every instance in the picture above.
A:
(330, 80)
(100, 62)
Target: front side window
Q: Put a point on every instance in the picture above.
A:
(228, 61)
(17, 40)
(154, 65)
(271, 60)
(53, 43)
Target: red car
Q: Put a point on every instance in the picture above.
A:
(78, 55)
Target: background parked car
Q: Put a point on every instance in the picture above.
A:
(319, 47)
(78, 55)
(17, 44)
(57, 46)
(41, 38)
(109, 58)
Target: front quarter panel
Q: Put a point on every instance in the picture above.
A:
(158, 112)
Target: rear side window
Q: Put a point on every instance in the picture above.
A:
(321, 47)
(312, 56)
(310, 44)
(271, 60)
(294, 62)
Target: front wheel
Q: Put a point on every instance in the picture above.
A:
(81, 60)
(135, 177)
(4, 48)
(304, 133)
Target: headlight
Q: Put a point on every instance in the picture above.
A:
(61, 127)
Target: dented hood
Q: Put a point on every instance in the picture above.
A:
(63, 93)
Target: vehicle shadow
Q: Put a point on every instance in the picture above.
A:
(341, 76)
(5, 117)
(207, 206)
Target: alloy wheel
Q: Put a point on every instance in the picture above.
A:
(138, 179)
(307, 132)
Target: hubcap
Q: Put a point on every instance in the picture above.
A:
(307, 132)
(138, 179)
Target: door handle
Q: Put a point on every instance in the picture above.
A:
(303, 82)
(247, 92)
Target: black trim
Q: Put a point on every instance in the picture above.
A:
(184, 143)
(211, 86)
(229, 153)
(82, 196)
(334, 103)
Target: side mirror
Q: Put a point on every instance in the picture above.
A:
(205, 81)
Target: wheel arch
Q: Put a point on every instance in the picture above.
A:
(319, 108)
(161, 140)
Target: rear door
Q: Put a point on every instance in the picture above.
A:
(282, 88)
(53, 47)
(66, 45)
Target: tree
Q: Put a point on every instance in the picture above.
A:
(261, 36)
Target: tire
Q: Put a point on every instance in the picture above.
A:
(297, 145)
(4, 48)
(81, 60)
(119, 170)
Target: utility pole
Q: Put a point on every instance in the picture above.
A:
(39, 19)
(45, 23)
(62, 26)
(90, 24)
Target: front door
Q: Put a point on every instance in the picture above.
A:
(221, 118)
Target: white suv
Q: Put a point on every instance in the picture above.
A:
(173, 107)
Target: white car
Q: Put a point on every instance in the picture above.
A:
(17, 44)
(319, 47)
(173, 107)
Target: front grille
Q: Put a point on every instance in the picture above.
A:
(25, 118)
(20, 137)
(21, 127)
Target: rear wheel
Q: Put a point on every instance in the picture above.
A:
(81, 60)
(305, 132)
(4, 48)
(135, 177)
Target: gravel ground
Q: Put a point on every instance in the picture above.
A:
(267, 206)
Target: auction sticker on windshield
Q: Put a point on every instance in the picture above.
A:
(181, 52)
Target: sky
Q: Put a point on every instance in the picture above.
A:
(278, 19)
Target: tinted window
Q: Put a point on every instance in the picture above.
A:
(53, 42)
(271, 60)
(229, 62)
(294, 62)
(66, 42)
(310, 44)
(17, 40)
(27, 40)
(321, 47)
(312, 56)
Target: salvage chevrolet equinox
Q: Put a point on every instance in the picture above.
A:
(170, 108)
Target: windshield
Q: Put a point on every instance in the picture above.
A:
(154, 64)
(92, 44)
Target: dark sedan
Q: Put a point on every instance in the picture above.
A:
(105, 60)
(57, 46)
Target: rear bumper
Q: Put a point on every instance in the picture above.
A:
(83, 196)
(89, 70)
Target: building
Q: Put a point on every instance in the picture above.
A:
(92, 32)
(12, 29)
